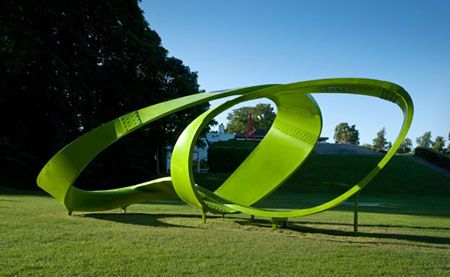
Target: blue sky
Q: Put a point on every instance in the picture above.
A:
(242, 43)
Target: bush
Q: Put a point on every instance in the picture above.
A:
(433, 156)
(226, 156)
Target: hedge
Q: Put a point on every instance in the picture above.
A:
(433, 156)
(226, 156)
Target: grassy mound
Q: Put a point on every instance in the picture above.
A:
(337, 173)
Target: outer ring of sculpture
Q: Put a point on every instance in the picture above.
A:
(183, 179)
(59, 174)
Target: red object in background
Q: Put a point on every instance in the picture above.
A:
(250, 129)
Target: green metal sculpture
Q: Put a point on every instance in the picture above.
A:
(286, 146)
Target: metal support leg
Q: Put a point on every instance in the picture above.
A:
(69, 212)
(274, 224)
(204, 216)
(252, 217)
(355, 214)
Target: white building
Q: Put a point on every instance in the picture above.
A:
(201, 153)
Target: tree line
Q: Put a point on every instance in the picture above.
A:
(67, 67)
(346, 134)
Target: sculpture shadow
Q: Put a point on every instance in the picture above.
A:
(377, 225)
(151, 220)
(387, 208)
(172, 202)
(399, 210)
(298, 227)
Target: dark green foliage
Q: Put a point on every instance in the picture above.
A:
(405, 147)
(262, 115)
(226, 156)
(380, 142)
(433, 156)
(438, 144)
(389, 146)
(68, 66)
(425, 140)
(15, 163)
(345, 134)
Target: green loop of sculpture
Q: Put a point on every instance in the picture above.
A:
(286, 146)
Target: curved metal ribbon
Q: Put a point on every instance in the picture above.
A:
(288, 143)
(285, 147)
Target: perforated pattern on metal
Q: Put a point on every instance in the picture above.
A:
(130, 121)
(294, 131)
(298, 110)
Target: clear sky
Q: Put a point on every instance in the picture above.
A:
(242, 43)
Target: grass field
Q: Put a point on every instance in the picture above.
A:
(407, 233)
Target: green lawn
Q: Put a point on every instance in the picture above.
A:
(405, 235)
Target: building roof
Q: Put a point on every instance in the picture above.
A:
(260, 134)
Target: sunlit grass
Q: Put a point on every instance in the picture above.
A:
(405, 235)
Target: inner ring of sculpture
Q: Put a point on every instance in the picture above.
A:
(288, 143)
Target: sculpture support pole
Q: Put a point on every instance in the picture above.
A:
(204, 216)
(355, 213)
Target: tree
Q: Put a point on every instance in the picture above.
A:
(405, 146)
(345, 134)
(379, 143)
(262, 115)
(439, 143)
(389, 146)
(68, 66)
(425, 140)
(448, 146)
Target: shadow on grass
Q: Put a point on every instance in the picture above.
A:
(414, 238)
(172, 202)
(439, 208)
(376, 225)
(312, 230)
(399, 210)
(153, 220)
(15, 191)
